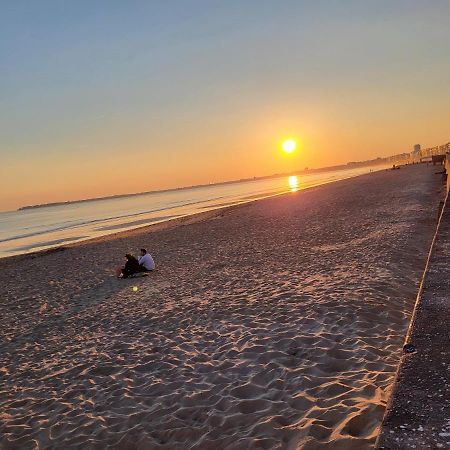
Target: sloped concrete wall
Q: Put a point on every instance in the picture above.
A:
(418, 414)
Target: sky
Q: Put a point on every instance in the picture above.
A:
(108, 97)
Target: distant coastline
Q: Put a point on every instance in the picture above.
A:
(220, 183)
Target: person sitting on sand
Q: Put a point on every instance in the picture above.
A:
(146, 261)
(131, 267)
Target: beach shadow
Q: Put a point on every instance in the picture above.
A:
(53, 317)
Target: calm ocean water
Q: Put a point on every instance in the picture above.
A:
(42, 228)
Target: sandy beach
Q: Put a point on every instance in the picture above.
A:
(271, 325)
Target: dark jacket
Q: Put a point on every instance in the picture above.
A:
(131, 266)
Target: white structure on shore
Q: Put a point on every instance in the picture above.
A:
(422, 153)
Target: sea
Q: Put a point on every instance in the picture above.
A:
(47, 227)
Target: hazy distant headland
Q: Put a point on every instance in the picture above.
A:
(306, 170)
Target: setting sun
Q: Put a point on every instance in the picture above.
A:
(289, 145)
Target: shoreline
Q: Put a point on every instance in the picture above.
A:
(275, 324)
(176, 221)
(372, 163)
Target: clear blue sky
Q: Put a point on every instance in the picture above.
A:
(104, 97)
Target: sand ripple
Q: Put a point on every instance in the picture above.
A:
(277, 326)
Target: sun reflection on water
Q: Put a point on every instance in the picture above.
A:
(293, 183)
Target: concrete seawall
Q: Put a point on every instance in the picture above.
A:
(418, 413)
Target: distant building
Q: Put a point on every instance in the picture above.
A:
(416, 148)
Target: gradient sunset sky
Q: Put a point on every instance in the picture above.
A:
(108, 97)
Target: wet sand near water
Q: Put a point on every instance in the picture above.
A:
(272, 325)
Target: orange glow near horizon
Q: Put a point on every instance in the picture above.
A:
(117, 115)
